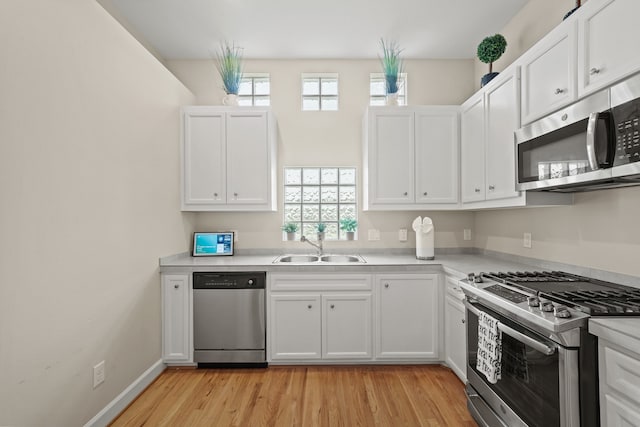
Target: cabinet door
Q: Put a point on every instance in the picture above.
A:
(204, 152)
(502, 119)
(437, 160)
(609, 34)
(175, 318)
(407, 317)
(548, 75)
(295, 326)
(455, 336)
(346, 326)
(248, 158)
(472, 146)
(391, 151)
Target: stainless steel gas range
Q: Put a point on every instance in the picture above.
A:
(549, 366)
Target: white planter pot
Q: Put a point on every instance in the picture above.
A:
(230, 99)
(351, 235)
(291, 236)
(392, 99)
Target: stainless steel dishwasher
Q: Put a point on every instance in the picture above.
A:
(229, 324)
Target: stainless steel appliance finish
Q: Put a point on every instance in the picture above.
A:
(550, 362)
(590, 145)
(229, 324)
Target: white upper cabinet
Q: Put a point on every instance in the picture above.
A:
(503, 118)
(229, 159)
(548, 73)
(436, 151)
(607, 51)
(473, 151)
(411, 158)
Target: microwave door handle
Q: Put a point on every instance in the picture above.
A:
(535, 344)
(591, 140)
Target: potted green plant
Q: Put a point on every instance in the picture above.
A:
(321, 227)
(392, 69)
(229, 64)
(349, 225)
(489, 50)
(290, 228)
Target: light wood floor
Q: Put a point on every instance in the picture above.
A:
(424, 395)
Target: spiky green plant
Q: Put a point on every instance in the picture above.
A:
(321, 227)
(348, 224)
(290, 227)
(391, 64)
(229, 66)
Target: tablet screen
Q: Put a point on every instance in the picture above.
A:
(212, 243)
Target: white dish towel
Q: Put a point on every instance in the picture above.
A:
(489, 347)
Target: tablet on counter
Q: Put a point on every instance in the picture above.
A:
(212, 243)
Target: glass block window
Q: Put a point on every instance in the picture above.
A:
(313, 195)
(378, 89)
(255, 90)
(319, 92)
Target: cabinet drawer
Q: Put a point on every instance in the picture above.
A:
(622, 372)
(320, 282)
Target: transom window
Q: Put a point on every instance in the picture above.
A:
(320, 92)
(378, 89)
(255, 90)
(320, 195)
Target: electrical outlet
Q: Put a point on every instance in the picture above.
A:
(374, 234)
(402, 234)
(526, 242)
(467, 234)
(98, 374)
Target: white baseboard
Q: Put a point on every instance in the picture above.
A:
(117, 405)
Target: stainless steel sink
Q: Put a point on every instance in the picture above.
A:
(315, 259)
(341, 258)
(298, 258)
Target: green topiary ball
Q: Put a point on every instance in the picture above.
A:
(491, 48)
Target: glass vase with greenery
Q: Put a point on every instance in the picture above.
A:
(392, 65)
(229, 64)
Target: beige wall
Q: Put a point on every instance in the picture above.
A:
(597, 231)
(333, 139)
(89, 156)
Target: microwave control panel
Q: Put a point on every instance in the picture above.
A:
(627, 131)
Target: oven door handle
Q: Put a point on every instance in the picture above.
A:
(543, 348)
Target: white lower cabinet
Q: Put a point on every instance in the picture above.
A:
(455, 343)
(619, 385)
(176, 315)
(407, 314)
(320, 317)
(296, 326)
(354, 317)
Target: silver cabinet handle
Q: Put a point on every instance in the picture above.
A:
(594, 71)
(235, 194)
(405, 193)
(559, 91)
(463, 321)
(386, 285)
(477, 190)
(424, 194)
(215, 194)
(332, 306)
(176, 286)
(309, 306)
(492, 187)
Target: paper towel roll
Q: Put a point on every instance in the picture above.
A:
(424, 240)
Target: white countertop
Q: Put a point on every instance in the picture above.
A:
(623, 331)
(455, 264)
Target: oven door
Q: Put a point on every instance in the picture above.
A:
(539, 383)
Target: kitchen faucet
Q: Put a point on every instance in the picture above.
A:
(318, 245)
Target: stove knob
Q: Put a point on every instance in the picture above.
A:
(546, 306)
(533, 301)
(561, 311)
(478, 278)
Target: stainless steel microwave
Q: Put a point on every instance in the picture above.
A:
(590, 145)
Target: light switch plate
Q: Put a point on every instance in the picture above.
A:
(467, 234)
(374, 234)
(526, 241)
